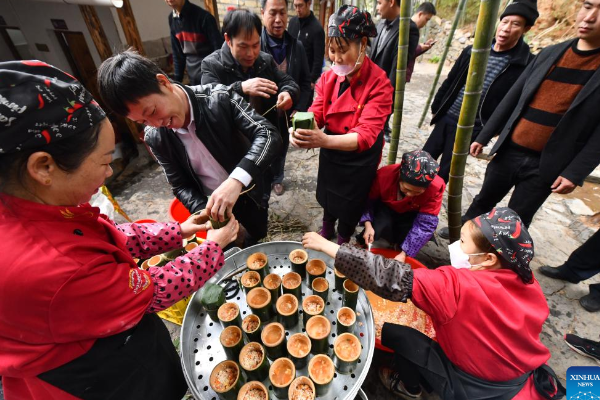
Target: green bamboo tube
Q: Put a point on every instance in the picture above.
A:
(191, 239)
(273, 339)
(339, 280)
(258, 262)
(190, 246)
(281, 374)
(302, 388)
(484, 32)
(320, 287)
(248, 391)
(216, 224)
(315, 268)
(287, 309)
(229, 314)
(312, 305)
(298, 259)
(232, 341)
(347, 349)
(273, 283)
(144, 265)
(252, 327)
(173, 254)
(259, 301)
(250, 280)
(299, 347)
(157, 261)
(318, 329)
(226, 380)
(253, 361)
(350, 294)
(346, 320)
(321, 370)
(292, 284)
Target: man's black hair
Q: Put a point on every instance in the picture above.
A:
(241, 21)
(427, 8)
(263, 3)
(125, 78)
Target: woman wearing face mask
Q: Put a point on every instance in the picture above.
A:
(352, 103)
(487, 318)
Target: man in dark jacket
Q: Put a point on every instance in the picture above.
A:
(290, 57)
(208, 139)
(548, 125)
(250, 72)
(508, 58)
(306, 28)
(194, 35)
(384, 51)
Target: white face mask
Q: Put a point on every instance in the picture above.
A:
(460, 259)
(344, 70)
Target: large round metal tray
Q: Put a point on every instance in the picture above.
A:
(200, 347)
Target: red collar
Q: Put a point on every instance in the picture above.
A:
(33, 211)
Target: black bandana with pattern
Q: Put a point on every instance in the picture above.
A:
(40, 104)
(351, 23)
(418, 168)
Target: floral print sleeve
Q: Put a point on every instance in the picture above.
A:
(147, 240)
(184, 275)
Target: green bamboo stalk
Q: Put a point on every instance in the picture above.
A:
(461, 6)
(400, 79)
(488, 12)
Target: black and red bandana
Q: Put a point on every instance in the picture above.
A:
(40, 104)
(351, 23)
(418, 168)
(505, 231)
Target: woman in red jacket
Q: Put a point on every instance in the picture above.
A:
(353, 100)
(77, 317)
(487, 315)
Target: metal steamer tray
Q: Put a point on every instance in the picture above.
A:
(201, 350)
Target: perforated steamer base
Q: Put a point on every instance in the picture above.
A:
(201, 350)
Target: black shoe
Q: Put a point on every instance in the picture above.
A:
(585, 347)
(590, 303)
(360, 239)
(444, 233)
(387, 137)
(555, 273)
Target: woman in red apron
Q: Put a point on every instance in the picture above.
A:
(77, 316)
(353, 100)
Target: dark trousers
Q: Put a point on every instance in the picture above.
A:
(345, 228)
(583, 263)
(441, 143)
(253, 217)
(391, 225)
(511, 167)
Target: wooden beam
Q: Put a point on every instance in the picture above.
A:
(96, 31)
(211, 7)
(130, 27)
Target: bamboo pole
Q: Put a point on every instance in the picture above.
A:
(488, 12)
(461, 6)
(400, 79)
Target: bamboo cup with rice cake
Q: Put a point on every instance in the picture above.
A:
(273, 283)
(303, 120)
(339, 280)
(250, 280)
(292, 284)
(281, 374)
(315, 268)
(298, 259)
(253, 360)
(320, 287)
(226, 380)
(347, 349)
(259, 301)
(299, 347)
(191, 246)
(318, 329)
(144, 265)
(287, 309)
(212, 297)
(252, 327)
(312, 305)
(232, 341)
(321, 370)
(346, 320)
(258, 262)
(350, 296)
(229, 314)
(302, 388)
(273, 339)
(253, 390)
(158, 261)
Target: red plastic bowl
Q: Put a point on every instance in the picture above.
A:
(178, 212)
(144, 221)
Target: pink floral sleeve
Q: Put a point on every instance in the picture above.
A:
(147, 240)
(184, 275)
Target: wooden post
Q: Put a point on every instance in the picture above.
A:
(211, 7)
(96, 31)
(129, 25)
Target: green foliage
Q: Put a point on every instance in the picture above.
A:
(447, 8)
(434, 59)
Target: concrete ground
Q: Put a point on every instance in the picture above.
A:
(563, 223)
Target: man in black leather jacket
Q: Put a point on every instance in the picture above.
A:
(208, 139)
